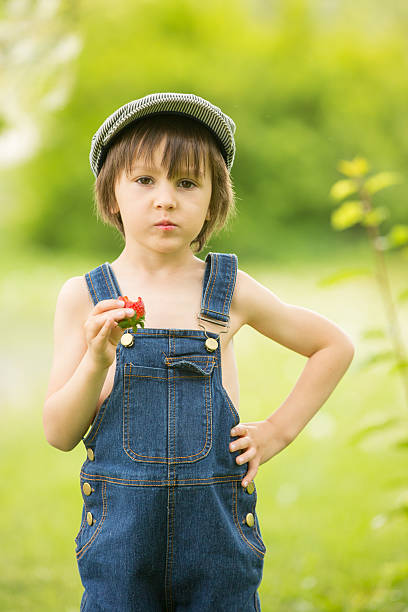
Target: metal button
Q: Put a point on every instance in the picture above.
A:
(91, 454)
(87, 489)
(89, 518)
(127, 340)
(211, 345)
(250, 519)
(250, 488)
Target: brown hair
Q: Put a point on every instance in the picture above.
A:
(187, 142)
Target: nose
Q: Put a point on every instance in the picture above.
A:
(167, 204)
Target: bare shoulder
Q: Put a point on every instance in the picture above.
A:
(74, 294)
(247, 296)
(295, 327)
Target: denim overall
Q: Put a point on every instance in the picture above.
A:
(166, 524)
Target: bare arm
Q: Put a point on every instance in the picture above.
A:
(85, 341)
(329, 350)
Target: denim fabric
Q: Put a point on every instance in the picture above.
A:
(169, 530)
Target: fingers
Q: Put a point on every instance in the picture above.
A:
(105, 305)
(99, 337)
(97, 320)
(239, 430)
(247, 456)
(106, 327)
(243, 443)
(240, 443)
(123, 313)
(251, 473)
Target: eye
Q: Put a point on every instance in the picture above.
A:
(187, 181)
(142, 178)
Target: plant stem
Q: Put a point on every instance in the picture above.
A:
(385, 289)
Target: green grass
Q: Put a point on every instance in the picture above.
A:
(323, 502)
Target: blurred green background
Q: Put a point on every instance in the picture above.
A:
(307, 82)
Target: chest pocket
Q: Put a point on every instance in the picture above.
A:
(168, 412)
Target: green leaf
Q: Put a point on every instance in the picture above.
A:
(131, 322)
(402, 296)
(381, 180)
(374, 358)
(373, 333)
(343, 188)
(375, 216)
(373, 427)
(401, 443)
(347, 215)
(400, 365)
(356, 167)
(343, 275)
(398, 235)
(124, 323)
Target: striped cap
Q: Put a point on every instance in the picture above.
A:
(220, 125)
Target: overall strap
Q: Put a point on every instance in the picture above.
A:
(218, 287)
(101, 284)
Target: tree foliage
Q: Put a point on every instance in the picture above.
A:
(305, 87)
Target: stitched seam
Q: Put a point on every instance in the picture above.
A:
(258, 552)
(208, 357)
(158, 333)
(172, 410)
(97, 531)
(214, 278)
(93, 289)
(211, 281)
(172, 407)
(216, 311)
(108, 284)
(99, 416)
(256, 532)
(227, 296)
(254, 548)
(205, 369)
(183, 482)
(112, 279)
(231, 406)
(129, 375)
(257, 535)
(82, 525)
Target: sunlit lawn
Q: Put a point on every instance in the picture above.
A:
(322, 501)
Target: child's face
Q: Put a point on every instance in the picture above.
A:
(149, 196)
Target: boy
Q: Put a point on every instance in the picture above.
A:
(169, 517)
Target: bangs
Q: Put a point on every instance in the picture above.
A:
(186, 151)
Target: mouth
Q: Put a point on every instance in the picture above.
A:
(165, 225)
(168, 226)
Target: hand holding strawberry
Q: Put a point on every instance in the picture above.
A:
(138, 317)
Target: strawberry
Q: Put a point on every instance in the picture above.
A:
(138, 317)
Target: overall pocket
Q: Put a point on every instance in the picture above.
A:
(246, 519)
(94, 512)
(167, 412)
